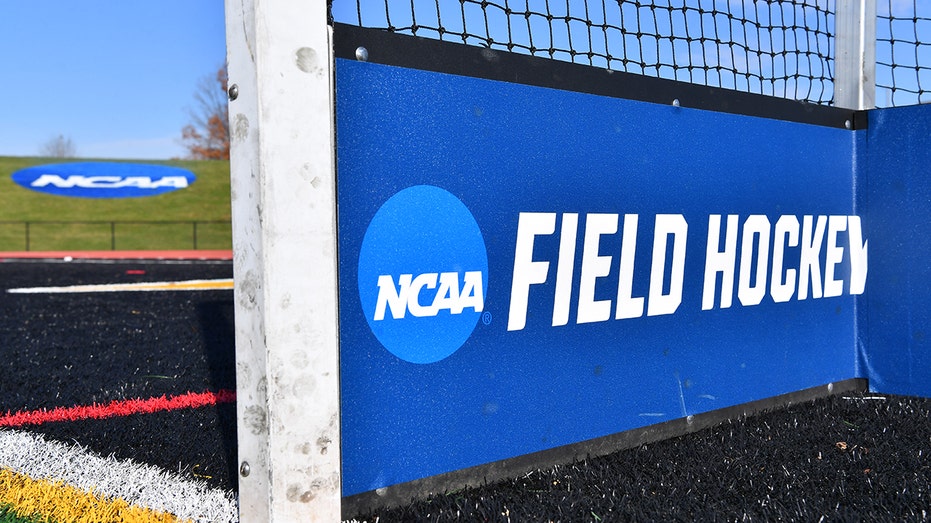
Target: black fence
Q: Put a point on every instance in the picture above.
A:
(113, 235)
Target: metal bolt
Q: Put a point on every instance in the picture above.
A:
(675, 103)
(245, 469)
(233, 92)
(848, 124)
(362, 54)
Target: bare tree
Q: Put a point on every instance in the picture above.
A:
(60, 146)
(207, 137)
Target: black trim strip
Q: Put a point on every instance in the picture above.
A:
(465, 60)
(403, 493)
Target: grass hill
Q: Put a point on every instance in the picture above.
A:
(168, 221)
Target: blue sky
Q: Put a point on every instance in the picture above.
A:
(118, 77)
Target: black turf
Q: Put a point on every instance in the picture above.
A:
(76, 349)
(62, 350)
(834, 458)
(857, 459)
(197, 443)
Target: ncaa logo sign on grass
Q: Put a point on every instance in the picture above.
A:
(103, 179)
(423, 273)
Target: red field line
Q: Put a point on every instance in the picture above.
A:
(190, 400)
(122, 255)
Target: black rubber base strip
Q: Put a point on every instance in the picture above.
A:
(427, 54)
(404, 493)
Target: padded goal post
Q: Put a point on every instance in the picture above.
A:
(455, 263)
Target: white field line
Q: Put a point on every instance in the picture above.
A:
(189, 285)
(142, 485)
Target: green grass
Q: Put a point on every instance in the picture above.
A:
(8, 515)
(206, 200)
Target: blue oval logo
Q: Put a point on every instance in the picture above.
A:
(423, 272)
(103, 179)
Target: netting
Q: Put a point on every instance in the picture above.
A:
(903, 52)
(777, 48)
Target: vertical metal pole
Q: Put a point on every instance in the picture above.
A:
(283, 193)
(855, 71)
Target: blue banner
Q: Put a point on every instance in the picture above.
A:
(523, 268)
(894, 192)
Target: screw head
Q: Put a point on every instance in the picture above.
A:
(233, 92)
(245, 469)
(362, 54)
(675, 103)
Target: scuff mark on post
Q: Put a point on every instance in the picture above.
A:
(306, 60)
(240, 129)
(255, 419)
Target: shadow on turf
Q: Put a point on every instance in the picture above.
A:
(216, 322)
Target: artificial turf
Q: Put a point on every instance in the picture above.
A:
(852, 458)
(199, 443)
(66, 350)
(8, 515)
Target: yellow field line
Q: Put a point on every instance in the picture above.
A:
(63, 503)
(190, 285)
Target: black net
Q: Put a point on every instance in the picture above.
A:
(774, 48)
(779, 48)
(903, 60)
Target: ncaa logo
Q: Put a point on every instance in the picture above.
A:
(103, 179)
(423, 272)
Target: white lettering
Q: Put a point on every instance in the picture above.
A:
(405, 297)
(667, 225)
(447, 297)
(752, 293)
(53, 179)
(108, 182)
(722, 262)
(564, 269)
(178, 182)
(396, 299)
(627, 305)
(526, 271)
(473, 293)
(810, 263)
(782, 289)
(833, 256)
(594, 266)
(427, 280)
(762, 263)
(858, 256)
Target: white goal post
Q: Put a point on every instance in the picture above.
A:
(284, 243)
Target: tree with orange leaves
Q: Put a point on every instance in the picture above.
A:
(207, 137)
